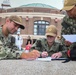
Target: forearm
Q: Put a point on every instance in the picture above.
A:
(33, 54)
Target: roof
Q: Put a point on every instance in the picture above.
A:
(38, 5)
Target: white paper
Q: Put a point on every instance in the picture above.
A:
(71, 38)
(44, 59)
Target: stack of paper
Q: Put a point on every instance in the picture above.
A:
(44, 59)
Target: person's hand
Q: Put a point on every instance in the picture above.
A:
(56, 55)
(44, 54)
(31, 55)
(36, 52)
(68, 43)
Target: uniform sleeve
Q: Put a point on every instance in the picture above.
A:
(37, 45)
(9, 50)
(63, 50)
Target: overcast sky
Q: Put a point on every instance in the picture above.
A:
(55, 3)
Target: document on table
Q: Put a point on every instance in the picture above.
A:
(44, 59)
(71, 38)
(49, 59)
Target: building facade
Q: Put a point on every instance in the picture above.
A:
(36, 17)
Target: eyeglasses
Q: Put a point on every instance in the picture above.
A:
(16, 25)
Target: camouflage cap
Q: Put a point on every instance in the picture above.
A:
(69, 4)
(51, 30)
(17, 20)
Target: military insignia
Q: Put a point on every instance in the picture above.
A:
(49, 29)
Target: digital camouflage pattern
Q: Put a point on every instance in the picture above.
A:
(68, 26)
(41, 45)
(8, 49)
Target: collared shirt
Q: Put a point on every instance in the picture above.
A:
(8, 49)
(41, 45)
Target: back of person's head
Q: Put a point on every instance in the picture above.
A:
(29, 40)
(51, 30)
(69, 4)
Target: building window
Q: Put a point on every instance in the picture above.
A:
(40, 27)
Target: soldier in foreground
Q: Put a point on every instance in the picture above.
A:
(8, 49)
(69, 25)
(47, 46)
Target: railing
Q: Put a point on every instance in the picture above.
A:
(32, 36)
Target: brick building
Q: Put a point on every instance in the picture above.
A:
(36, 17)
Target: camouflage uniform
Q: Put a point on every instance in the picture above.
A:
(8, 49)
(41, 45)
(69, 23)
(68, 26)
